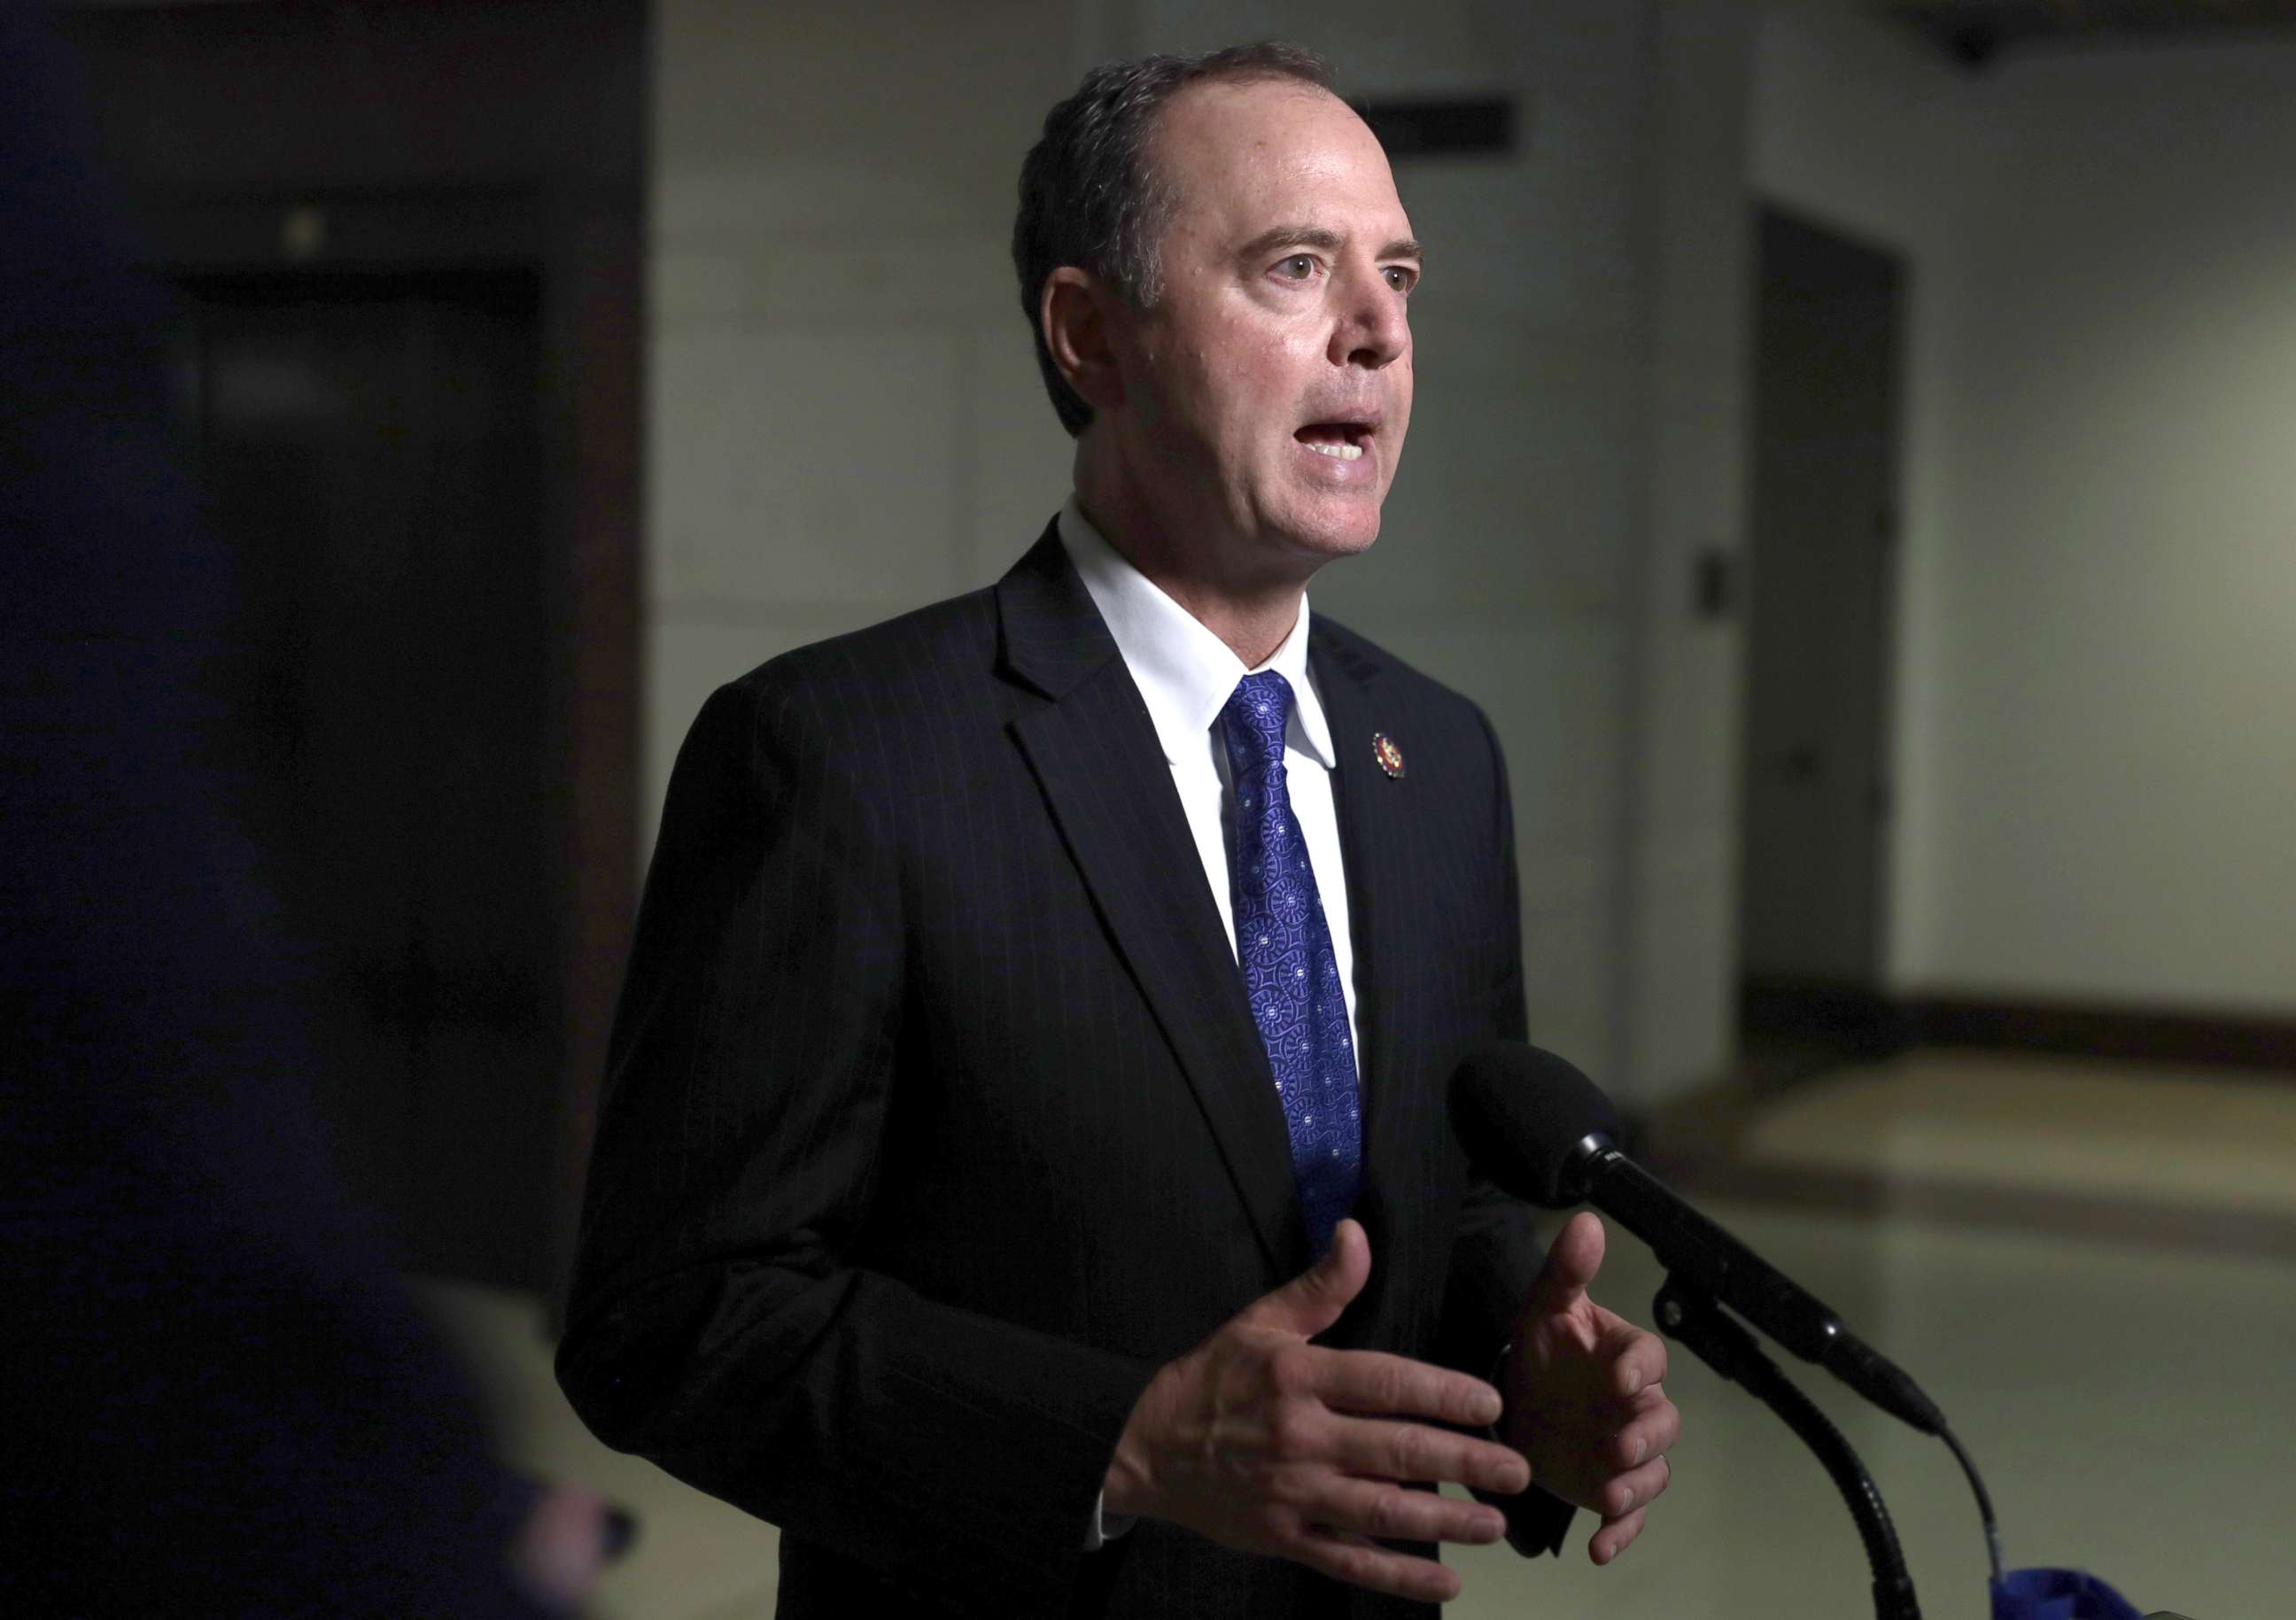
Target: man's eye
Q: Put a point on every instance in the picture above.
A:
(1401, 277)
(1298, 268)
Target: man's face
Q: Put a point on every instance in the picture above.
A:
(1269, 390)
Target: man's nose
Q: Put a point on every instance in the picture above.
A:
(1373, 330)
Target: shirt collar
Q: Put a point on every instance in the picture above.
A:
(1184, 673)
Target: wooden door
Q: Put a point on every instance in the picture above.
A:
(367, 448)
(1816, 782)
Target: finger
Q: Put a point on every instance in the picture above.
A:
(1637, 1355)
(1650, 1432)
(1312, 1301)
(561, 1548)
(1377, 1449)
(1615, 1537)
(1391, 1513)
(1376, 1384)
(1572, 1260)
(1348, 1557)
(1635, 1488)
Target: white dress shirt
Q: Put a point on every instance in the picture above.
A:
(1185, 675)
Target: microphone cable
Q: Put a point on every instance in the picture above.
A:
(1984, 1501)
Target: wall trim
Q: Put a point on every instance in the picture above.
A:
(1864, 1022)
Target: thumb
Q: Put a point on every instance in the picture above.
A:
(1312, 1301)
(1571, 1262)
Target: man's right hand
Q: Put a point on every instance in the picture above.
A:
(1263, 1442)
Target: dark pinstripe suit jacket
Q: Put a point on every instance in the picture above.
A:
(936, 1120)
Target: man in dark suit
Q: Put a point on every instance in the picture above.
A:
(1041, 1006)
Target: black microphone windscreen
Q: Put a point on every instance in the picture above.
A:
(1521, 1112)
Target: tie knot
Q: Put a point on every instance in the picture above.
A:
(1256, 714)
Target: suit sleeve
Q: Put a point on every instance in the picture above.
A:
(717, 1324)
(1499, 1249)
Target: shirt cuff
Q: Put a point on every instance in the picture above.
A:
(1105, 1526)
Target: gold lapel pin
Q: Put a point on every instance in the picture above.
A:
(1389, 756)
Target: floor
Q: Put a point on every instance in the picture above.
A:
(2091, 1267)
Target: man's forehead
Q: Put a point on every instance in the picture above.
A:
(1231, 147)
(1239, 95)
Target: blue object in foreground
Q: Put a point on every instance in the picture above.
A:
(2058, 1594)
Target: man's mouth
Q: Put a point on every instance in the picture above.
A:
(1341, 440)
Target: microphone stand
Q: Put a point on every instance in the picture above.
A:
(1691, 1314)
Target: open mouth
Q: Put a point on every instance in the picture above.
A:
(1343, 441)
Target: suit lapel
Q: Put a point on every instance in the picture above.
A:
(1373, 812)
(1096, 754)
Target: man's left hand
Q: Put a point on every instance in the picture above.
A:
(1585, 1403)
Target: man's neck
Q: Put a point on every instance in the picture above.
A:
(1251, 618)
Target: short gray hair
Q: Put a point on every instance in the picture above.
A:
(1089, 197)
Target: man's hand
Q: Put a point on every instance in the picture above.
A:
(566, 1537)
(1585, 1400)
(1266, 1444)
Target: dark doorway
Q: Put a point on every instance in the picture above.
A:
(410, 241)
(1817, 802)
(368, 448)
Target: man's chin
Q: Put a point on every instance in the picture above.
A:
(1330, 535)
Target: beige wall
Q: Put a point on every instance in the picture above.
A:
(1678, 996)
(847, 421)
(2120, 663)
(2094, 752)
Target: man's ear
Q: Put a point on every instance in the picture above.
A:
(1077, 313)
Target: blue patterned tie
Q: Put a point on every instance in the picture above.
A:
(1285, 947)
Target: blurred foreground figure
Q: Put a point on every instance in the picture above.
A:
(217, 1398)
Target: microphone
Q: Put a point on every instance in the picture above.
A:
(1545, 1132)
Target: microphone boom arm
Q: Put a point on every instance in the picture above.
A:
(1689, 1245)
(1686, 1312)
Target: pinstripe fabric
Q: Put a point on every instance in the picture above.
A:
(936, 1118)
